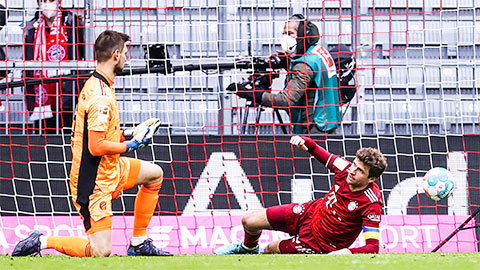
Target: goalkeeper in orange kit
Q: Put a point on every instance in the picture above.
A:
(98, 173)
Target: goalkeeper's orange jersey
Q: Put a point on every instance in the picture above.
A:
(97, 110)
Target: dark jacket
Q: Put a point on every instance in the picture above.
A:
(3, 21)
(76, 33)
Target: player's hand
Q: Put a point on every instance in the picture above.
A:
(140, 140)
(298, 142)
(152, 123)
(343, 251)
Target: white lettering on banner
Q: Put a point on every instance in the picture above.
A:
(218, 237)
(63, 227)
(391, 243)
(3, 241)
(428, 237)
(235, 232)
(200, 235)
(19, 229)
(159, 234)
(457, 204)
(219, 164)
(409, 237)
(22, 231)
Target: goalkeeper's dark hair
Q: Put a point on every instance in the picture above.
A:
(374, 159)
(107, 42)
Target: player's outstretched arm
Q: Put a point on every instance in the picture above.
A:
(312, 147)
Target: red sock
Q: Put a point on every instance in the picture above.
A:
(73, 246)
(145, 204)
(251, 240)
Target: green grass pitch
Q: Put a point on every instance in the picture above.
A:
(409, 261)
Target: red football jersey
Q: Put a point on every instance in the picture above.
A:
(340, 216)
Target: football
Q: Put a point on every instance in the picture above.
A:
(438, 183)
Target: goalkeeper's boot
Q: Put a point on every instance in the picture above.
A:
(29, 245)
(236, 248)
(146, 249)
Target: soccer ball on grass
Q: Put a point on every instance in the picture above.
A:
(438, 183)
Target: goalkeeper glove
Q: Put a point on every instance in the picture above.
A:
(152, 123)
(139, 141)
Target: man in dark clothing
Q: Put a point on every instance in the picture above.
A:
(3, 21)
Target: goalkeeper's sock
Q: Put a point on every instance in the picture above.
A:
(73, 246)
(251, 240)
(137, 240)
(145, 204)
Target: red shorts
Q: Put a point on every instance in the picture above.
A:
(295, 219)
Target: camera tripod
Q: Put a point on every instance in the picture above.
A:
(258, 112)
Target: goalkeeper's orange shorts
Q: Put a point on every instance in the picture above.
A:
(98, 216)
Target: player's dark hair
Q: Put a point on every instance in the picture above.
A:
(107, 42)
(374, 159)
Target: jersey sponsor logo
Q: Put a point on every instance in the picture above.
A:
(371, 195)
(331, 199)
(298, 209)
(352, 205)
(374, 218)
(340, 163)
(103, 112)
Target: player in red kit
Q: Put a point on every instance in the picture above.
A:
(328, 225)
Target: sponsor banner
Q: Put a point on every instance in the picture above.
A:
(202, 234)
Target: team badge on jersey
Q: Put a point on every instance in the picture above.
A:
(56, 52)
(298, 209)
(352, 205)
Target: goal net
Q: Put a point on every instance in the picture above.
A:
(417, 100)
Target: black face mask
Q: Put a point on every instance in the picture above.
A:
(3, 16)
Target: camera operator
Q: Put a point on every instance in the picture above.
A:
(311, 93)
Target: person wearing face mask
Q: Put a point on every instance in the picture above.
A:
(52, 35)
(311, 93)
